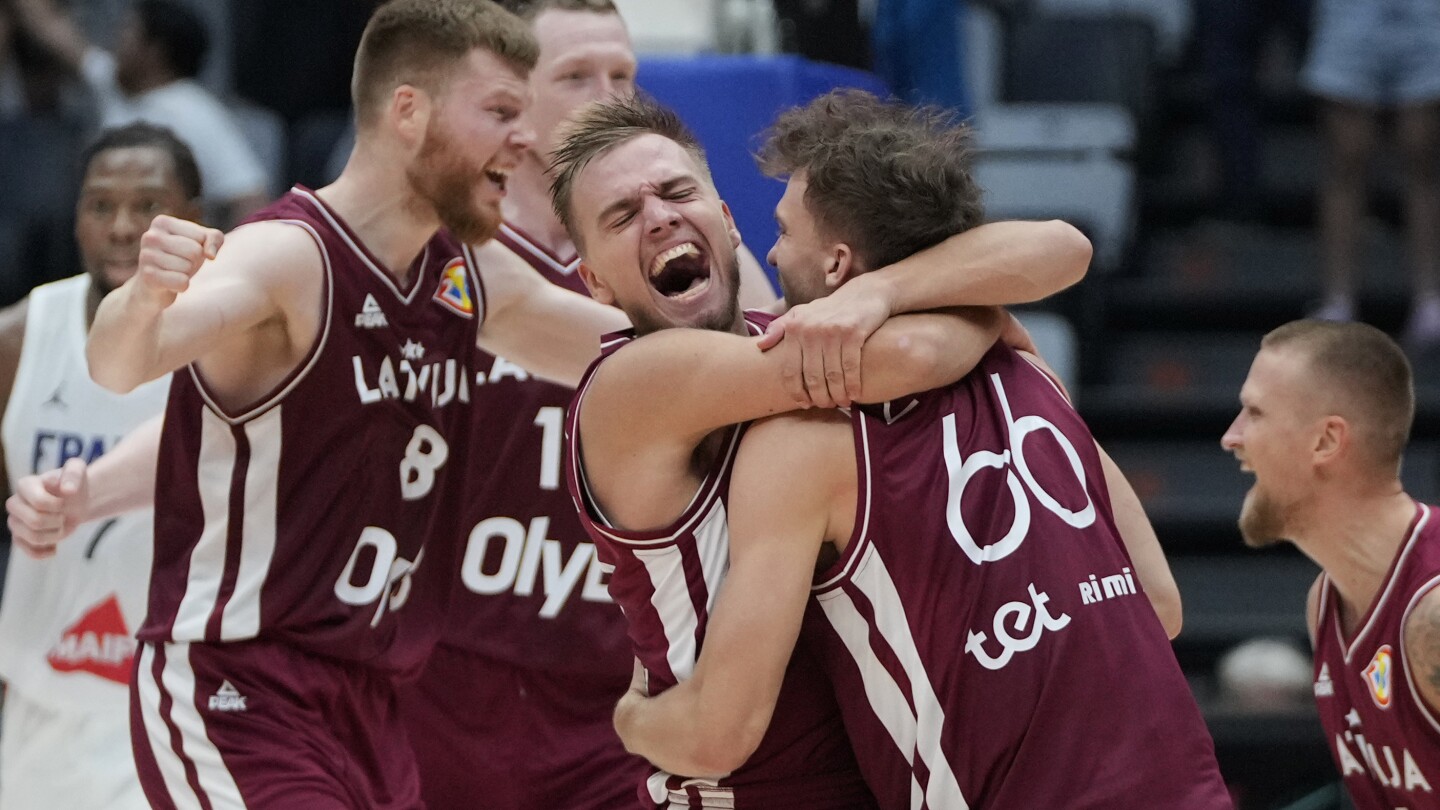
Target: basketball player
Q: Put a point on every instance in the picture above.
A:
(653, 428)
(534, 780)
(974, 604)
(532, 645)
(67, 624)
(327, 357)
(1324, 417)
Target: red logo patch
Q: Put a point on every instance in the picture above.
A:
(99, 643)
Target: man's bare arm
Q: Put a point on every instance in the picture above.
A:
(179, 307)
(549, 331)
(47, 24)
(786, 475)
(678, 385)
(1143, 546)
(46, 508)
(1421, 640)
(992, 265)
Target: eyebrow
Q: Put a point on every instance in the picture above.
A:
(631, 201)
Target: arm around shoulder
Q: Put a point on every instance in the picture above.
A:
(550, 331)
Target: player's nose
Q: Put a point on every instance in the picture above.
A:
(1230, 441)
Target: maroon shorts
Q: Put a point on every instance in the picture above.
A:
(492, 735)
(258, 724)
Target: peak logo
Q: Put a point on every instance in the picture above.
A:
(99, 643)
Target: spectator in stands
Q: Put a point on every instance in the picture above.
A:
(1232, 35)
(1367, 56)
(150, 77)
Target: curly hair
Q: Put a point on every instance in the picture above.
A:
(888, 178)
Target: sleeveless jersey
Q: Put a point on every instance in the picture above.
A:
(67, 624)
(984, 623)
(1385, 739)
(666, 582)
(531, 591)
(301, 517)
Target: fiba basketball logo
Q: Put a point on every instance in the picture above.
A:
(1012, 460)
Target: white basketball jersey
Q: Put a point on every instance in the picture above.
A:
(67, 624)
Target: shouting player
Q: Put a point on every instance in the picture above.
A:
(325, 362)
(655, 424)
(1325, 414)
(973, 601)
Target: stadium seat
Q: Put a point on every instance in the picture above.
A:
(1096, 194)
(1171, 20)
(1108, 59)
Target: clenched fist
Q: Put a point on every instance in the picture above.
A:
(171, 251)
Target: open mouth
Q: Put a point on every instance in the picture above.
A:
(682, 269)
(498, 177)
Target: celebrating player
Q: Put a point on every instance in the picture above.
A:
(1324, 417)
(654, 427)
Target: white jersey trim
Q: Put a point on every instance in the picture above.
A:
(539, 252)
(214, 477)
(177, 679)
(157, 732)
(241, 618)
(472, 267)
(859, 541)
(916, 731)
(297, 375)
(1384, 596)
(344, 234)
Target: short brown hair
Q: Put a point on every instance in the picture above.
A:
(888, 178)
(604, 125)
(528, 10)
(1362, 369)
(418, 41)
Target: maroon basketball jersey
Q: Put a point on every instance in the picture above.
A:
(989, 642)
(666, 582)
(531, 591)
(1385, 739)
(302, 516)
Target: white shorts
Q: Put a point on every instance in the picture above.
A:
(78, 760)
(1375, 52)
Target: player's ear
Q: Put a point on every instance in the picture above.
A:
(731, 229)
(1332, 439)
(597, 287)
(409, 113)
(841, 267)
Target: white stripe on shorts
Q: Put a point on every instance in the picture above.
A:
(177, 680)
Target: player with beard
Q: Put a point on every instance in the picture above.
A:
(974, 603)
(532, 646)
(1325, 414)
(325, 358)
(653, 429)
(66, 624)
